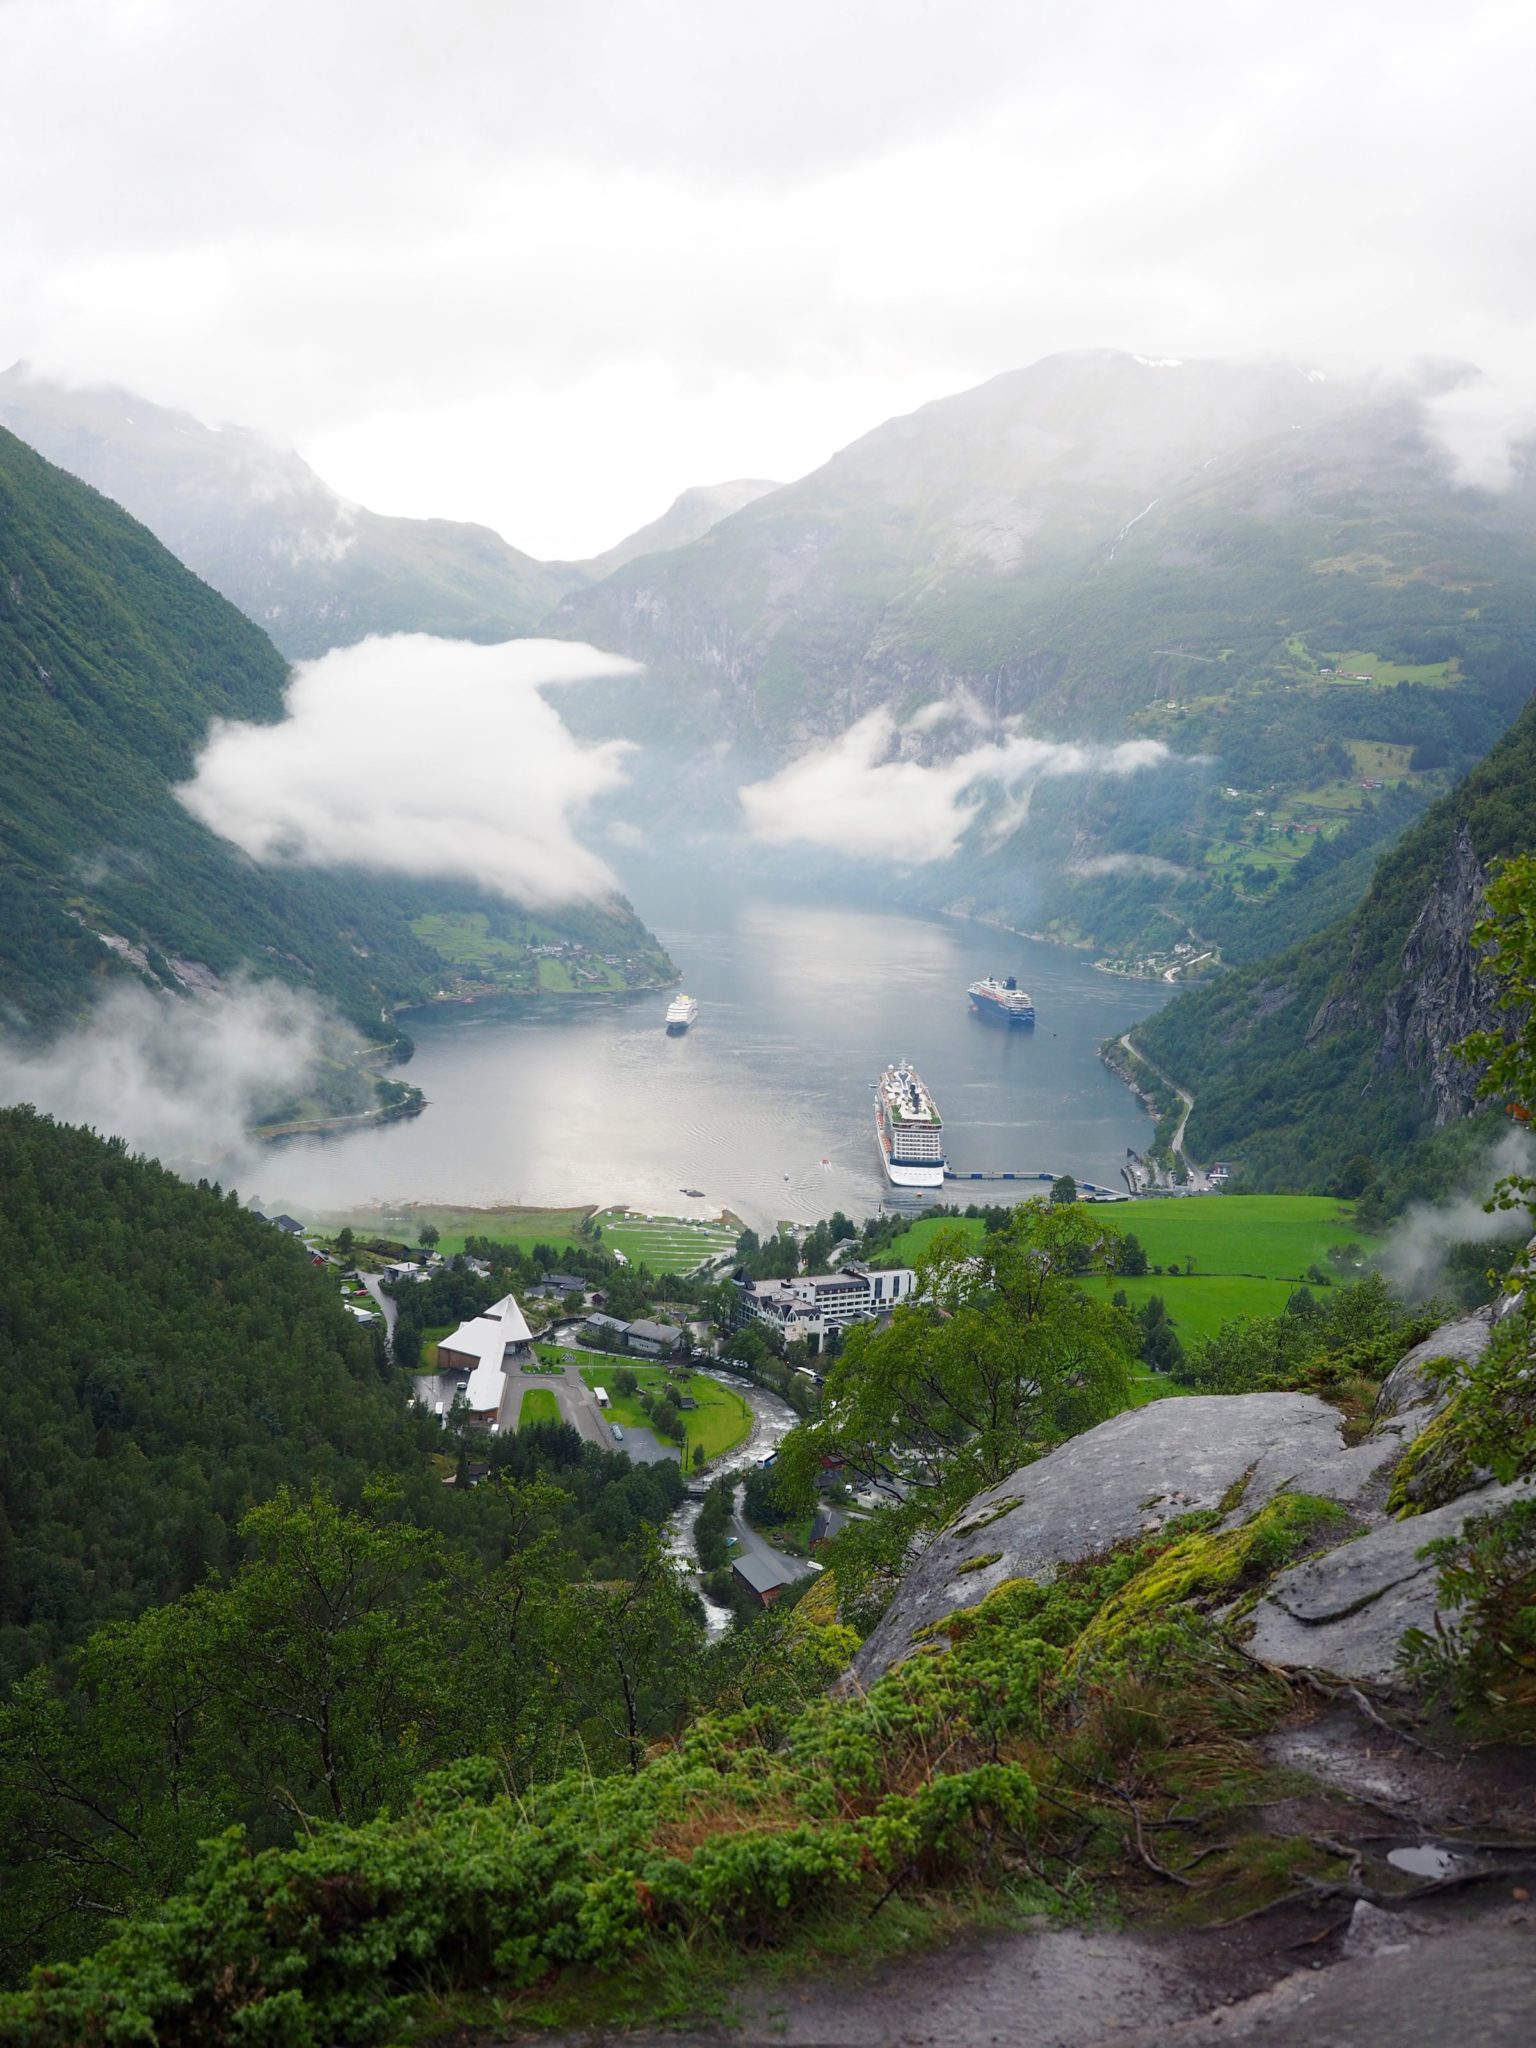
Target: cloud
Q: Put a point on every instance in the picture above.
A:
(549, 266)
(179, 1079)
(1130, 864)
(1414, 1260)
(859, 795)
(423, 757)
(1481, 422)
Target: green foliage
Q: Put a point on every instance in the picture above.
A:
(1487, 1425)
(348, 1655)
(1341, 1349)
(1484, 1660)
(1015, 1748)
(1507, 1058)
(998, 1357)
(1285, 1058)
(166, 1360)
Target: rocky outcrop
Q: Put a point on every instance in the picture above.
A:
(1440, 996)
(1342, 1611)
(1345, 1611)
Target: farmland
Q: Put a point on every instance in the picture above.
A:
(1248, 1253)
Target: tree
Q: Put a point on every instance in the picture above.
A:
(1063, 1188)
(345, 1242)
(998, 1357)
(1507, 1057)
(1130, 1259)
(428, 1235)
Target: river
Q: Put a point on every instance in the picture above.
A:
(766, 1104)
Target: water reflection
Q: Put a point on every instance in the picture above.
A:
(766, 1104)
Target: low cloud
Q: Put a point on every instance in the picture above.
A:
(860, 795)
(1485, 424)
(423, 757)
(1416, 1254)
(1130, 864)
(179, 1079)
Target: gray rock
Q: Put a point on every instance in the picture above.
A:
(1344, 1612)
(1409, 1398)
(1130, 1475)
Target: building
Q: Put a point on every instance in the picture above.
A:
(614, 1328)
(764, 1581)
(656, 1340)
(813, 1303)
(481, 1353)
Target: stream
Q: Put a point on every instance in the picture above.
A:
(772, 1420)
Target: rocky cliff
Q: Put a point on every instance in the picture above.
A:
(1343, 1048)
(1342, 1610)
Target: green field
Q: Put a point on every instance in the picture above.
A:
(719, 1423)
(539, 1405)
(667, 1244)
(1250, 1252)
(508, 1224)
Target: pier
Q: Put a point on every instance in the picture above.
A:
(1084, 1187)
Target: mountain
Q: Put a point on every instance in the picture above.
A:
(113, 661)
(254, 520)
(1203, 553)
(688, 518)
(1331, 1063)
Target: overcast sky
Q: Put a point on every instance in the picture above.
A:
(546, 262)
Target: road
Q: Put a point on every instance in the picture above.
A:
(383, 1303)
(1197, 1179)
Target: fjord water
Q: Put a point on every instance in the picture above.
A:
(546, 1101)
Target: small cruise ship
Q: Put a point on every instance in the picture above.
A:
(1003, 1001)
(909, 1129)
(681, 1012)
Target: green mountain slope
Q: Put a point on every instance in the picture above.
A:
(1101, 546)
(1339, 1049)
(256, 522)
(166, 1359)
(113, 660)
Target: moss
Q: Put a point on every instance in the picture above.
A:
(1435, 1467)
(978, 1563)
(1209, 1568)
(993, 1514)
(1232, 1499)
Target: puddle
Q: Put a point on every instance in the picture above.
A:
(1426, 1861)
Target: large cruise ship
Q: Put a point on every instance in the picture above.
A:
(909, 1129)
(681, 1012)
(1003, 1001)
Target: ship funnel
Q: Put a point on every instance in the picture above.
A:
(1011, 982)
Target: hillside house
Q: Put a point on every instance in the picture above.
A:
(764, 1581)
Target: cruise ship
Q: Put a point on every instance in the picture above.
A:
(681, 1012)
(1003, 1001)
(909, 1129)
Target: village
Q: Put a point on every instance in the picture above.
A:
(693, 1391)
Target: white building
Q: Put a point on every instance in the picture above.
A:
(481, 1354)
(813, 1303)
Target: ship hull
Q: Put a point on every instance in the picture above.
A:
(677, 1030)
(993, 1011)
(905, 1176)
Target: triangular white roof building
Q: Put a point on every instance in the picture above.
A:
(481, 1349)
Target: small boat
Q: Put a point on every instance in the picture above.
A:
(696, 1193)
